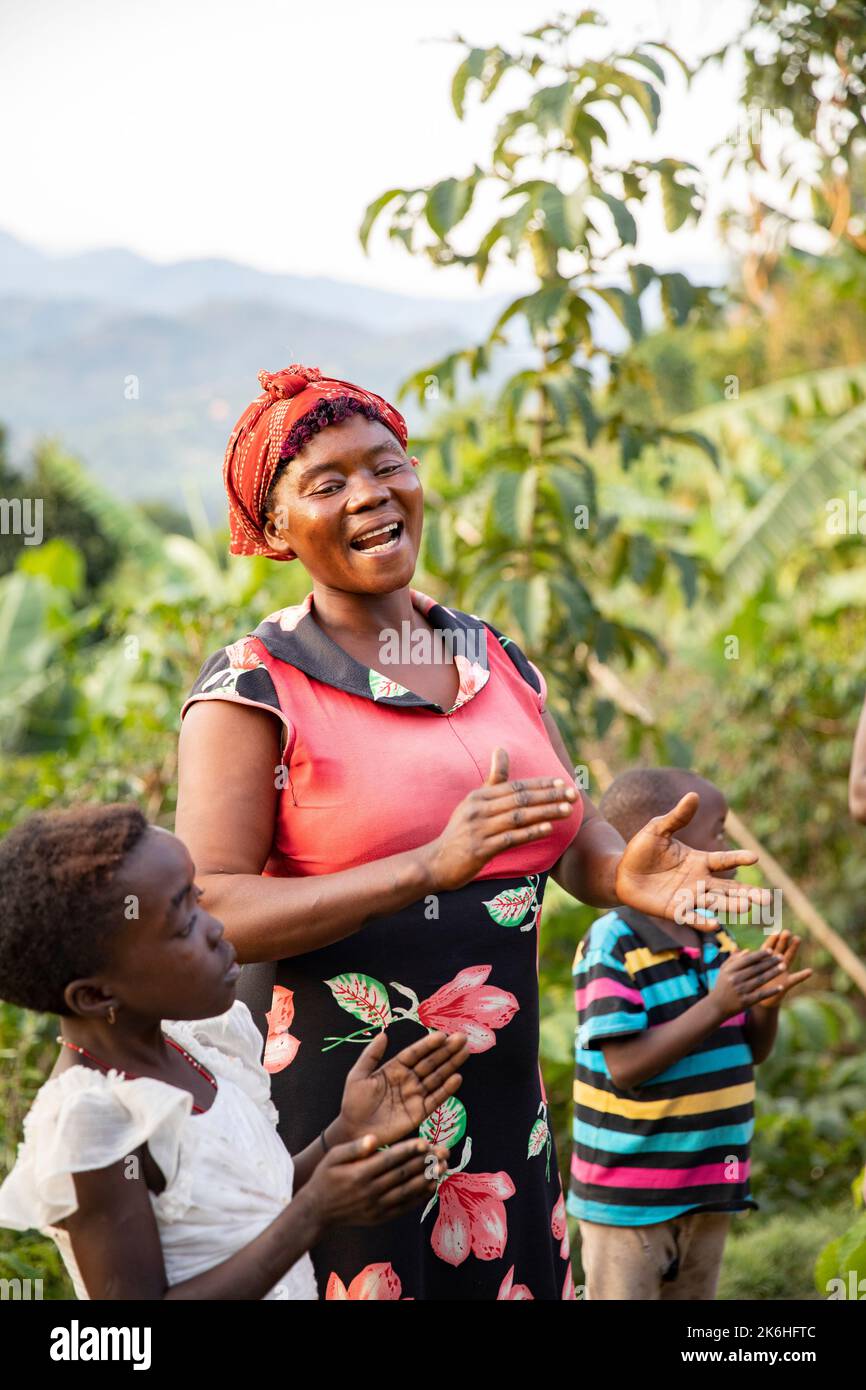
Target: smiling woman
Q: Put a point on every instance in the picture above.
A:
(347, 802)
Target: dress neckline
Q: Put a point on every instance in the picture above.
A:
(293, 635)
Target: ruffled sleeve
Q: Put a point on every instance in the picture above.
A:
(230, 1045)
(239, 673)
(82, 1121)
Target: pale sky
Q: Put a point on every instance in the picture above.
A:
(186, 128)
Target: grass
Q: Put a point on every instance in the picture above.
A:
(774, 1256)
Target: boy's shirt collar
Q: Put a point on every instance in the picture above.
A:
(653, 936)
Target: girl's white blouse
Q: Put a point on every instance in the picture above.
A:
(227, 1172)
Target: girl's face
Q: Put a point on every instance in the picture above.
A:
(351, 479)
(170, 957)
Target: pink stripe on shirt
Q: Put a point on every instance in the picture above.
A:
(603, 988)
(706, 1175)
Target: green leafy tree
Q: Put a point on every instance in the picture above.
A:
(519, 532)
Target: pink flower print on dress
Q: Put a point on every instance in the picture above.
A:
(374, 1282)
(467, 1005)
(568, 1294)
(288, 618)
(281, 1048)
(472, 1216)
(509, 1292)
(559, 1226)
(473, 678)
(242, 656)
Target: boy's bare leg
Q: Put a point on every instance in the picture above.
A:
(626, 1262)
(701, 1243)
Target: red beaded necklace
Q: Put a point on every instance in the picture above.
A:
(202, 1071)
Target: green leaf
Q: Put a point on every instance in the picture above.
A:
(582, 127)
(383, 687)
(448, 203)
(363, 997)
(511, 905)
(679, 200)
(626, 307)
(678, 297)
(640, 276)
(373, 211)
(446, 1125)
(688, 571)
(647, 61)
(605, 713)
(641, 558)
(57, 561)
(626, 227)
(530, 603)
(472, 66)
(502, 513)
(524, 510)
(538, 1137)
(548, 107)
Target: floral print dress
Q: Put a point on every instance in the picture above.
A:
(370, 769)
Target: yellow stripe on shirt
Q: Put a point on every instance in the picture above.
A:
(603, 1102)
(642, 958)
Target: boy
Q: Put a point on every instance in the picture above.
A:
(670, 1022)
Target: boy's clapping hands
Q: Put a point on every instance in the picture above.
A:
(752, 979)
(785, 947)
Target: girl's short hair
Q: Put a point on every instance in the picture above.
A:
(60, 903)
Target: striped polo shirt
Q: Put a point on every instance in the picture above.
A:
(680, 1141)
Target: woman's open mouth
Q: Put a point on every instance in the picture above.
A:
(379, 540)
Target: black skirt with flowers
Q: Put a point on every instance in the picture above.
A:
(463, 961)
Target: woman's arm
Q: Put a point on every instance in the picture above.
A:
(226, 809)
(587, 868)
(857, 774)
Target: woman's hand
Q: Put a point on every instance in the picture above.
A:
(663, 877)
(392, 1100)
(494, 818)
(354, 1185)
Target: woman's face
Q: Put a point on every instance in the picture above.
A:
(352, 479)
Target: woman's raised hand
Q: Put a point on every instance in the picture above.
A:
(660, 875)
(356, 1185)
(494, 818)
(393, 1099)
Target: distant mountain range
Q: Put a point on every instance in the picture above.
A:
(81, 335)
(141, 369)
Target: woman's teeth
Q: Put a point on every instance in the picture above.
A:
(370, 544)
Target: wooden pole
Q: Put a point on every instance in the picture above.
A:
(611, 686)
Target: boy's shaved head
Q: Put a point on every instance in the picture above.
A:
(636, 796)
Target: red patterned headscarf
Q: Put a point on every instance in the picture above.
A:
(266, 435)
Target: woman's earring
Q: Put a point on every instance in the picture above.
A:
(112, 1016)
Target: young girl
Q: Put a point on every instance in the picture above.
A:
(151, 1155)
